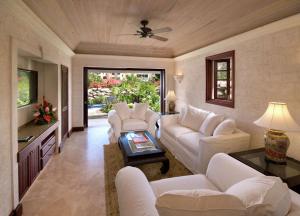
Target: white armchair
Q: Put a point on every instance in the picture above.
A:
(131, 124)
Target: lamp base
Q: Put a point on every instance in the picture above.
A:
(276, 146)
(171, 106)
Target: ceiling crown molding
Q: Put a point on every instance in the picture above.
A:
(20, 10)
(276, 26)
(116, 57)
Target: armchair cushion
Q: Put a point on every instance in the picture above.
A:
(139, 111)
(194, 117)
(122, 110)
(226, 127)
(202, 202)
(134, 125)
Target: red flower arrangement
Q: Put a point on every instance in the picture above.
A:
(44, 113)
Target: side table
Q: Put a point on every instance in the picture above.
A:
(289, 172)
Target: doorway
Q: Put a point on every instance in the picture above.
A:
(64, 103)
(105, 86)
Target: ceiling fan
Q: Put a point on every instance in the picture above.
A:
(146, 32)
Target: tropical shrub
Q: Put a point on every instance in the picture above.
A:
(134, 89)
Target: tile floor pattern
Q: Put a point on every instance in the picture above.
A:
(72, 184)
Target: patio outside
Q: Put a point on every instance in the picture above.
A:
(105, 89)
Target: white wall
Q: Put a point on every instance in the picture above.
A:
(20, 30)
(267, 62)
(81, 61)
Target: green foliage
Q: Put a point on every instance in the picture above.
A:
(94, 78)
(134, 89)
(100, 99)
(106, 108)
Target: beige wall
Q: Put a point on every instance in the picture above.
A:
(20, 30)
(81, 61)
(267, 69)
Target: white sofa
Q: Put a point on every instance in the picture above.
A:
(117, 126)
(137, 196)
(193, 148)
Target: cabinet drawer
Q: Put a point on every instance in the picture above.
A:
(47, 156)
(47, 146)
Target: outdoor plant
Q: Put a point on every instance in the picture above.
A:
(134, 89)
(44, 113)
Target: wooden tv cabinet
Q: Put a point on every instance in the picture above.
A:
(33, 155)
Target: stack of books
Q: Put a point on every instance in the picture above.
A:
(139, 142)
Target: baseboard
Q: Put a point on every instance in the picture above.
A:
(18, 211)
(76, 129)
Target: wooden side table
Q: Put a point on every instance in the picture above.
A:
(289, 172)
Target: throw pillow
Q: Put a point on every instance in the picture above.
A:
(264, 195)
(122, 110)
(202, 202)
(226, 127)
(210, 123)
(194, 117)
(139, 111)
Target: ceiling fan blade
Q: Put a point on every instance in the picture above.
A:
(161, 30)
(159, 38)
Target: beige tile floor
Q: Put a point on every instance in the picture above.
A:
(72, 183)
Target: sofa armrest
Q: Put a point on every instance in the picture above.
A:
(169, 119)
(208, 146)
(115, 121)
(135, 195)
(151, 119)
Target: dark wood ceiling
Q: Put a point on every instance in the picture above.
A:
(94, 26)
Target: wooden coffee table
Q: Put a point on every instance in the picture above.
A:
(144, 157)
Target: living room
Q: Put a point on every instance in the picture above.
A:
(259, 41)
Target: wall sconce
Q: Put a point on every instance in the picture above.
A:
(178, 78)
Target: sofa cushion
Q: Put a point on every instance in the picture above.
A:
(139, 111)
(134, 124)
(210, 123)
(190, 141)
(199, 202)
(263, 191)
(122, 110)
(226, 127)
(194, 117)
(176, 130)
(189, 182)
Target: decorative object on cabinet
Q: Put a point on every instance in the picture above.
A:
(44, 113)
(277, 120)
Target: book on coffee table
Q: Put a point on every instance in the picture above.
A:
(139, 142)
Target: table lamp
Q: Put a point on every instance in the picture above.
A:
(277, 120)
(171, 98)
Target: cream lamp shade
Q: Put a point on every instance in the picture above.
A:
(171, 96)
(277, 117)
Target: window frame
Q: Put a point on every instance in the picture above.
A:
(33, 91)
(211, 81)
